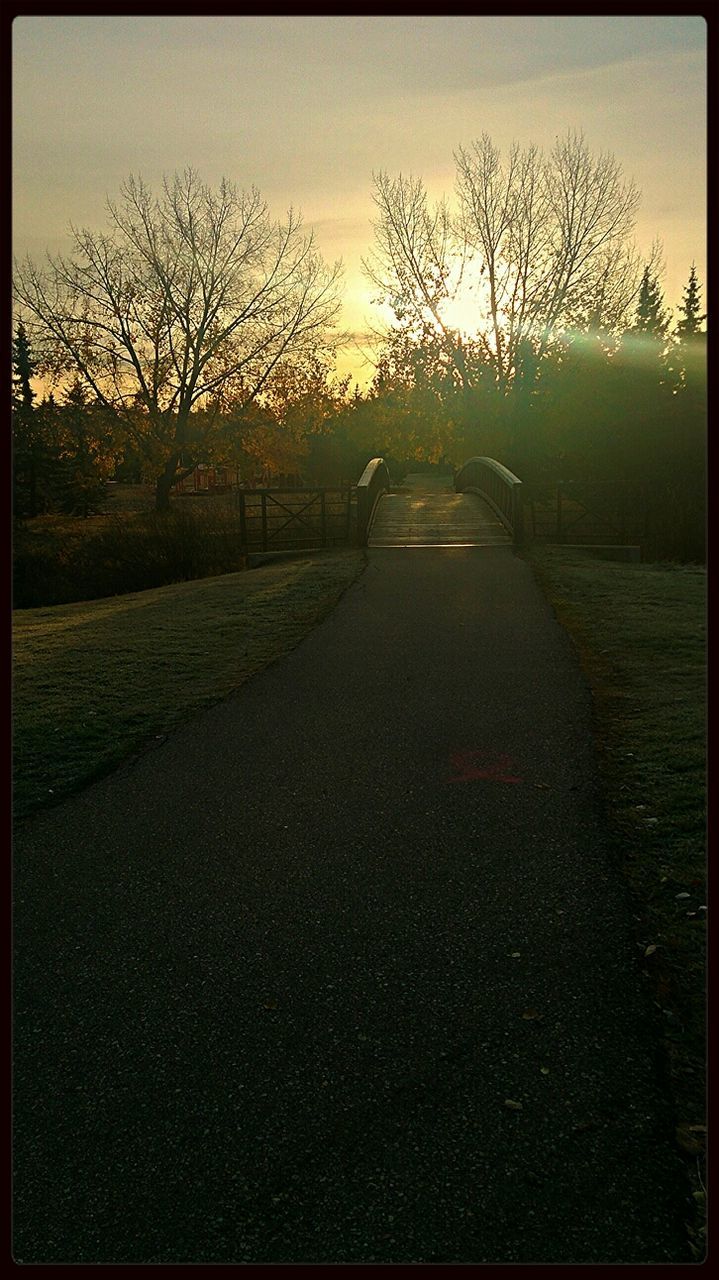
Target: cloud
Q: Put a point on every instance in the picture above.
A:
(307, 107)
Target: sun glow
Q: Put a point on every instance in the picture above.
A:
(467, 305)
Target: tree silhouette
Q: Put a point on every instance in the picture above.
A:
(651, 316)
(539, 245)
(23, 369)
(28, 452)
(691, 320)
(188, 298)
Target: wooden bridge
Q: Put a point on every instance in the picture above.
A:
(426, 511)
(480, 506)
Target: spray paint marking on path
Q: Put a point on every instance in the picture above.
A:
(470, 766)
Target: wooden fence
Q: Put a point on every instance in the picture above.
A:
(666, 520)
(284, 519)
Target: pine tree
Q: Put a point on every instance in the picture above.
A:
(24, 435)
(35, 460)
(81, 482)
(689, 308)
(23, 369)
(651, 316)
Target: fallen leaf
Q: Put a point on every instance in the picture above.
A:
(512, 1105)
(530, 1015)
(650, 949)
(516, 955)
(681, 895)
(685, 1135)
(270, 1004)
(544, 1071)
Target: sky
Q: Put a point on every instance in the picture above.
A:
(307, 108)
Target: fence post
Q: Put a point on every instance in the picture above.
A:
(264, 521)
(517, 514)
(623, 502)
(243, 521)
(349, 512)
(323, 518)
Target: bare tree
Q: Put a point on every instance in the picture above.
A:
(592, 213)
(188, 299)
(544, 242)
(414, 264)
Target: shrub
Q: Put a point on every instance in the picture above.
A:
(130, 554)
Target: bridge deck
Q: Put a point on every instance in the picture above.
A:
(426, 511)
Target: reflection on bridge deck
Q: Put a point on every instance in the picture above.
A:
(426, 511)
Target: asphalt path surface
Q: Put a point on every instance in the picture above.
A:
(341, 971)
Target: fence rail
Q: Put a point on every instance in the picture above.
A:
(584, 512)
(665, 519)
(284, 519)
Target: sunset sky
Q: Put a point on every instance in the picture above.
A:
(305, 108)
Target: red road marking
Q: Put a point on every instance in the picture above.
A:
(470, 766)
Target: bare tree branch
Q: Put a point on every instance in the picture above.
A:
(547, 239)
(186, 294)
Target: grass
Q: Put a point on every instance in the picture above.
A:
(641, 635)
(95, 680)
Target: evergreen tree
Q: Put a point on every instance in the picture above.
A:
(690, 320)
(85, 453)
(23, 369)
(26, 442)
(651, 317)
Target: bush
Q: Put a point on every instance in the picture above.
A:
(131, 554)
(80, 490)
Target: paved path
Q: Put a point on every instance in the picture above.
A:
(284, 984)
(426, 511)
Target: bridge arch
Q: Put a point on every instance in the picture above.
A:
(499, 487)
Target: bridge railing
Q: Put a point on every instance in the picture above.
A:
(499, 487)
(373, 482)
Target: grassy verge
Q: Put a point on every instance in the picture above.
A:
(95, 680)
(640, 632)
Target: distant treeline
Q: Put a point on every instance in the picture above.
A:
(631, 410)
(525, 327)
